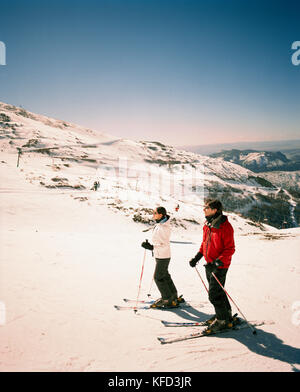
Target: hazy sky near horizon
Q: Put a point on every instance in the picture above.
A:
(178, 71)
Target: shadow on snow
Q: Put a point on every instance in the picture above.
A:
(264, 343)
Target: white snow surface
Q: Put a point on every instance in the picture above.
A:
(67, 257)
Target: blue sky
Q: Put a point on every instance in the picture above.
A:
(179, 71)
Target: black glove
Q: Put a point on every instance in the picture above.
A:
(147, 245)
(218, 263)
(214, 265)
(195, 260)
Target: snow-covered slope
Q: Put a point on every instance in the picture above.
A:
(68, 254)
(283, 179)
(65, 263)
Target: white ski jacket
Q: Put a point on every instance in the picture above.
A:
(161, 239)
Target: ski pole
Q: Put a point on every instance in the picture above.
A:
(149, 294)
(138, 295)
(251, 326)
(201, 279)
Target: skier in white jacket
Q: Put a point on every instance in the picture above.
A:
(162, 253)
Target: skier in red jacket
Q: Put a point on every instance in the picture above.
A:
(217, 248)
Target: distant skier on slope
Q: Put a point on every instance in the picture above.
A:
(95, 186)
(162, 254)
(217, 248)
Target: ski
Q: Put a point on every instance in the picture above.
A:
(190, 324)
(138, 307)
(147, 306)
(145, 301)
(181, 324)
(140, 301)
(202, 333)
(187, 324)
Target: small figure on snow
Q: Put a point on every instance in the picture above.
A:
(161, 248)
(95, 186)
(217, 248)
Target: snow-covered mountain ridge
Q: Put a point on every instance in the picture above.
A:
(135, 176)
(259, 161)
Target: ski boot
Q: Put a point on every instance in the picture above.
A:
(180, 299)
(218, 325)
(232, 320)
(157, 303)
(165, 304)
(170, 303)
(209, 321)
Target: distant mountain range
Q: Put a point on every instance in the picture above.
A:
(286, 146)
(261, 161)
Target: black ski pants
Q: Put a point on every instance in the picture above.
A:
(163, 279)
(216, 294)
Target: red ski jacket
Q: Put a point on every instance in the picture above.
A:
(218, 241)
